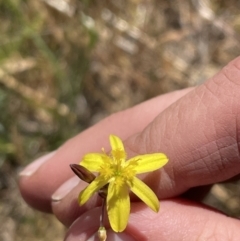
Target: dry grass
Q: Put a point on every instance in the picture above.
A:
(72, 66)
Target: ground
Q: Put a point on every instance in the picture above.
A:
(63, 69)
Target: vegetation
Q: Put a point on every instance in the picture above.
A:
(66, 64)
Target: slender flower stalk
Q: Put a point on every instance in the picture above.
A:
(116, 176)
(102, 233)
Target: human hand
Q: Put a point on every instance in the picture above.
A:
(198, 129)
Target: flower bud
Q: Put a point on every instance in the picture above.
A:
(102, 234)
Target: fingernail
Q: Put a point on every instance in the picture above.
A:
(31, 168)
(65, 188)
(114, 237)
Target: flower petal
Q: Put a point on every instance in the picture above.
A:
(118, 206)
(116, 143)
(93, 161)
(145, 193)
(93, 187)
(149, 162)
(118, 153)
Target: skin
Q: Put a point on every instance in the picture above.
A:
(197, 128)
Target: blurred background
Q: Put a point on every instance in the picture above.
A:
(66, 64)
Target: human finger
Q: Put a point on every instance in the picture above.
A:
(178, 219)
(41, 178)
(199, 133)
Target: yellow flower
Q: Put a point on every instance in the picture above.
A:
(120, 175)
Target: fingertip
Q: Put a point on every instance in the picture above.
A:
(35, 199)
(30, 169)
(28, 184)
(39, 180)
